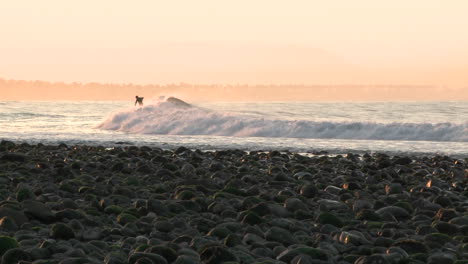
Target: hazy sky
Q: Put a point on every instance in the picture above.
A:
(255, 41)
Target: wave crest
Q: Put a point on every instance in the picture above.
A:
(170, 118)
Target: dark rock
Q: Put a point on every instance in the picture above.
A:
(216, 254)
(8, 224)
(372, 259)
(289, 254)
(61, 231)
(219, 232)
(329, 218)
(164, 226)
(40, 253)
(168, 253)
(115, 258)
(446, 228)
(412, 246)
(438, 238)
(14, 157)
(440, 258)
(369, 215)
(402, 161)
(461, 221)
(7, 243)
(15, 255)
(351, 186)
(280, 235)
(232, 240)
(398, 212)
(252, 218)
(38, 211)
(155, 258)
(294, 204)
(25, 193)
(425, 230)
(185, 260)
(17, 216)
(446, 214)
(125, 218)
(69, 214)
(308, 191)
(393, 188)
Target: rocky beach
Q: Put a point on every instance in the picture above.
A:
(127, 204)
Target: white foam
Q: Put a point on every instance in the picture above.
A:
(166, 118)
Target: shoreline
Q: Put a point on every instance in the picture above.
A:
(138, 204)
(254, 148)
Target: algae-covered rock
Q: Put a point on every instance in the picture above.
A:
(7, 243)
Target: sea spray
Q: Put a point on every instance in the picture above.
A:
(169, 118)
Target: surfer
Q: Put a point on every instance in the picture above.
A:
(139, 100)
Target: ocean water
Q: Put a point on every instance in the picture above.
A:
(418, 128)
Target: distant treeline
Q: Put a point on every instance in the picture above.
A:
(42, 90)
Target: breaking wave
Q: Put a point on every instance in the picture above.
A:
(176, 118)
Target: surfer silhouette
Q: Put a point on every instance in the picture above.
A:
(139, 100)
